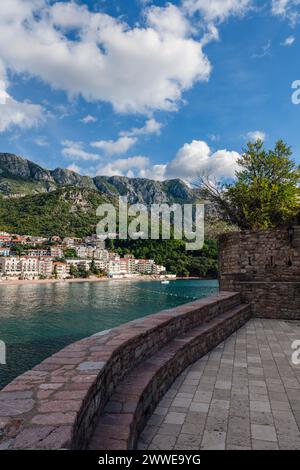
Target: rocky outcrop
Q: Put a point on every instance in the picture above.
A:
(15, 167)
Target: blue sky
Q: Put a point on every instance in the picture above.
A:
(147, 88)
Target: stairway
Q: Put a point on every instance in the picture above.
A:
(137, 394)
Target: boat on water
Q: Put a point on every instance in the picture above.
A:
(165, 282)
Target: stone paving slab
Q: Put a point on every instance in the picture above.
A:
(245, 394)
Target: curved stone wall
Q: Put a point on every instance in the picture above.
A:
(56, 404)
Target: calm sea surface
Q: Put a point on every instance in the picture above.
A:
(38, 320)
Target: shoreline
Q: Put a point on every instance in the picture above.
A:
(20, 282)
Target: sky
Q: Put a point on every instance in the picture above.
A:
(145, 88)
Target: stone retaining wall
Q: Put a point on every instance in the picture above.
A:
(265, 267)
(57, 403)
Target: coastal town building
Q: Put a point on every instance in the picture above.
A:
(94, 241)
(56, 252)
(71, 242)
(42, 259)
(38, 253)
(34, 241)
(53, 251)
(144, 266)
(60, 270)
(45, 267)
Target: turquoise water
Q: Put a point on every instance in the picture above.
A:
(38, 320)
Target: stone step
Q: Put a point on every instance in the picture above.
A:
(137, 395)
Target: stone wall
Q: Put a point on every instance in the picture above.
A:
(265, 267)
(57, 404)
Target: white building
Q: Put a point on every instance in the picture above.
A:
(81, 251)
(114, 267)
(60, 270)
(56, 252)
(45, 267)
(95, 241)
(71, 242)
(10, 266)
(35, 240)
(26, 267)
(144, 266)
(29, 267)
(4, 251)
(101, 254)
(38, 253)
(158, 269)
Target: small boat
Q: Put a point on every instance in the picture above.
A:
(165, 281)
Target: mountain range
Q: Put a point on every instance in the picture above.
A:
(36, 201)
(21, 177)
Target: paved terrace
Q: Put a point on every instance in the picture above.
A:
(245, 394)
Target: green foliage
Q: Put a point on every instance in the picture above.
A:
(67, 213)
(173, 255)
(265, 194)
(82, 272)
(74, 271)
(55, 272)
(72, 212)
(70, 253)
(93, 269)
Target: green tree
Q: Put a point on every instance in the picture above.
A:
(93, 269)
(70, 253)
(82, 272)
(74, 271)
(55, 272)
(265, 192)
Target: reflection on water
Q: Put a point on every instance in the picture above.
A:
(37, 320)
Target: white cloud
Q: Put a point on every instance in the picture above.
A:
(154, 172)
(168, 20)
(136, 69)
(217, 10)
(192, 160)
(279, 7)
(88, 119)
(75, 168)
(115, 147)
(257, 135)
(41, 141)
(75, 150)
(15, 113)
(196, 158)
(151, 127)
(289, 41)
(214, 137)
(263, 52)
(287, 8)
(123, 166)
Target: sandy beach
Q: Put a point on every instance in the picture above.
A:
(11, 282)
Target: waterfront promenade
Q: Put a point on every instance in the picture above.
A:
(244, 394)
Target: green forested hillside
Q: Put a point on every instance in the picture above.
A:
(72, 212)
(173, 255)
(66, 212)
